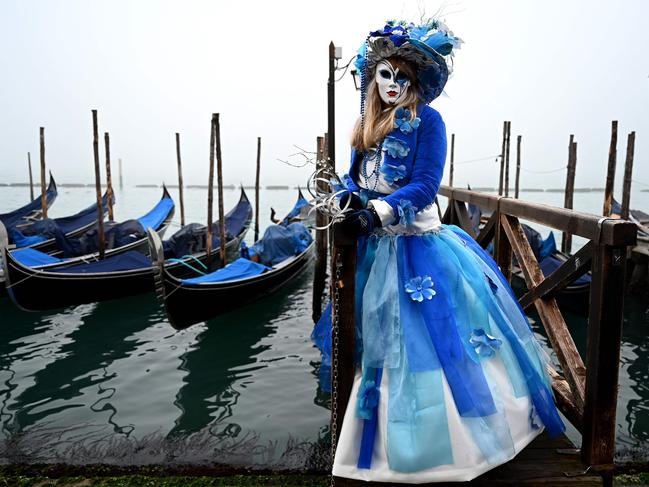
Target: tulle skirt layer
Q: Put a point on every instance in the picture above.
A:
(451, 381)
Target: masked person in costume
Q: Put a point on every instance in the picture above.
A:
(450, 381)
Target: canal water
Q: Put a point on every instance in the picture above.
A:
(114, 383)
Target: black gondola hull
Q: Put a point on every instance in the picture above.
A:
(189, 304)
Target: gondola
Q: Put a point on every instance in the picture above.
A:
(31, 210)
(23, 235)
(126, 274)
(189, 301)
(158, 218)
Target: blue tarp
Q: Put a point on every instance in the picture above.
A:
(122, 262)
(551, 264)
(21, 240)
(31, 257)
(157, 215)
(281, 242)
(239, 269)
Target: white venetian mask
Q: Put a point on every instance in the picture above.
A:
(392, 83)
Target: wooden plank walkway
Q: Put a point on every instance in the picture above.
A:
(545, 462)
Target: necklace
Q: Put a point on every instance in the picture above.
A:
(375, 157)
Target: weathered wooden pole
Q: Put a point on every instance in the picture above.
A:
(100, 206)
(219, 173)
(321, 242)
(121, 181)
(502, 160)
(518, 166)
(180, 181)
(450, 175)
(43, 190)
(628, 170)
(610, 174)
(257, 174)
(109, 178)
(210, 192)
(566, 238)
(509, 133)
(331, 106)
(31, 179)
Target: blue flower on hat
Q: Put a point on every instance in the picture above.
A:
(395, 147)
(406, 212)
(420, 288)
(391, 173)
(402, 120)
(485, 345)
(398, 34)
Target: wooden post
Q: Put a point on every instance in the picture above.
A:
(331, 107)
(518, 166)
(257, 188)
(210, 192)
(121, 181)
(180, 181)
(502, 160)
(603, 356)
(100, 206)
(219, 173)
(566, 238)
(109, 178)
(450, 176)
(31, 179)
(509, 133)
(628, 170)
(610, 174)
(343, 329)
(43, 190)
(320, 271)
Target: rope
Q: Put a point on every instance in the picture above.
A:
(562, 168)
(470, 161)
(179, 261)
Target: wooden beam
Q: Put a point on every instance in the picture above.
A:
(210, 192)
(180, 181)
(610, 173)
(604, 335)
(257, 177)
(563, 398)
(100, 206)
(109, 178)
(219, 179)
(566, 238)
(31, 178)
(450, 175)
(43, 189)
(555, 326)
(571, 269)
(628, 170)
(502, 249)
(502, 160)
(509, 135)
(488, 231)
(518, 165)
(462, 217)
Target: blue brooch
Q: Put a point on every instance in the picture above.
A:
(485, 345)
(402, 120)
(391, 173)
(395, 147)
(420, 287)
(406, 212)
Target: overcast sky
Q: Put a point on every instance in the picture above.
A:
(153, 68)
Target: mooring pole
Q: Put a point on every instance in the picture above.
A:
(100, 206)
(450, 175)
(321, 243)
(121, 181)
(610, 174)
(566, 238)
(43, 190)
(210, 192)
(219, 172)
(628, 170)
(109, 178)
(31, 179)
(257, 174)
(180, 181)
(518, 166)
(502, 160)
(509, 133)
(331, 107)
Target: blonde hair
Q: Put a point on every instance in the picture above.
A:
(379, 122)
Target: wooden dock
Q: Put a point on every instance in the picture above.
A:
(586, 388)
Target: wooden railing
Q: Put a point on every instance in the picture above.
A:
(585, 392)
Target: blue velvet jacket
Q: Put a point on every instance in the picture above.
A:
(413, 160)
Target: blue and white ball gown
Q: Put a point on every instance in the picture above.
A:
(451, 381)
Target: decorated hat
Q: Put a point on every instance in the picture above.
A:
(428, 47)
